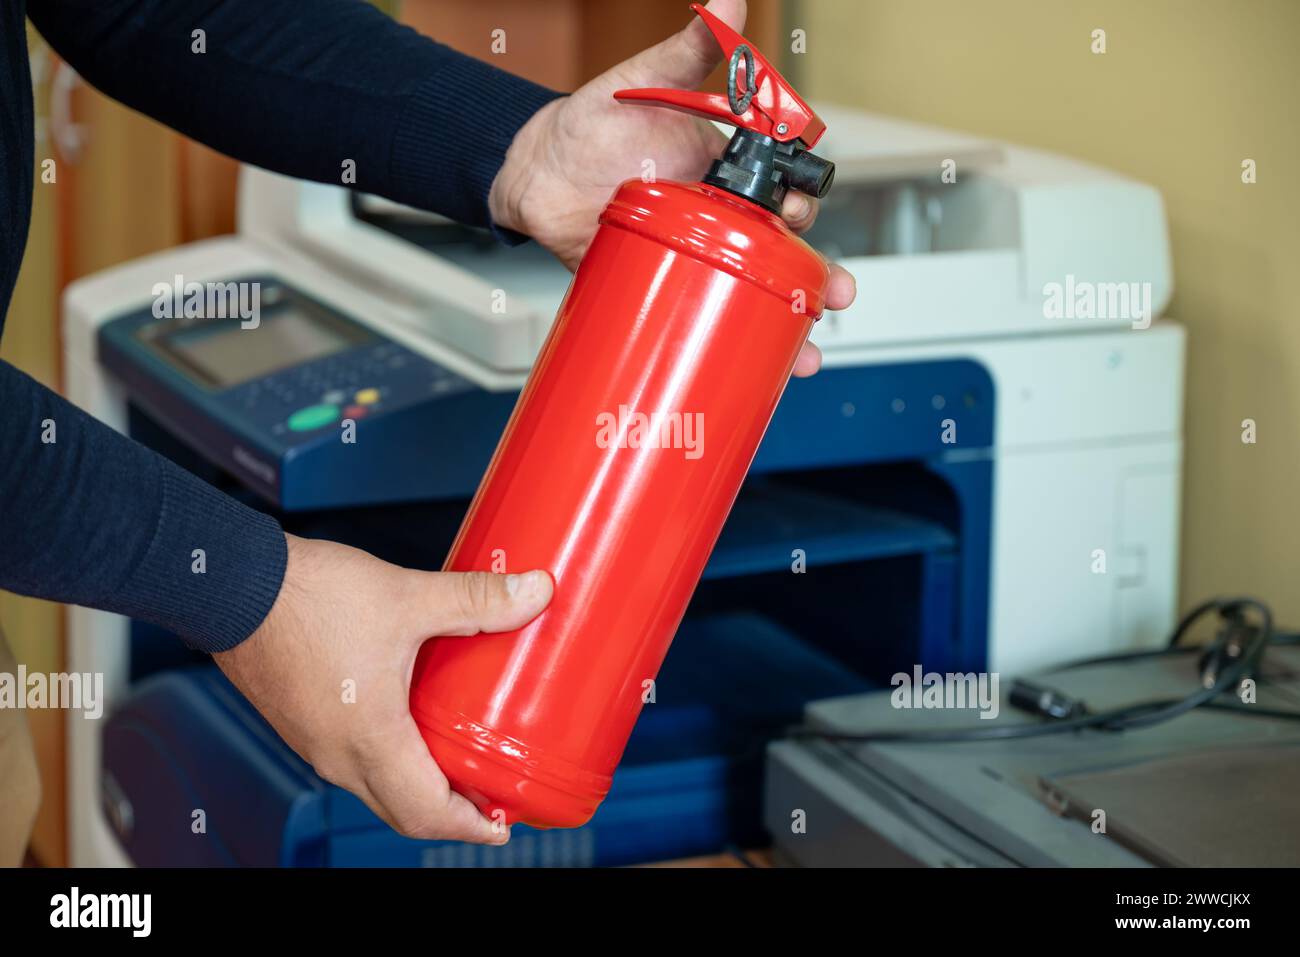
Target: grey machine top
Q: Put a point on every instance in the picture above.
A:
(1172, 793)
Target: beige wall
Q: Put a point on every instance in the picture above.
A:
(1186, 90)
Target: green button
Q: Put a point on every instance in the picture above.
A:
(313, 417)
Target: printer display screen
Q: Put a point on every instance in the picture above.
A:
(225, 354)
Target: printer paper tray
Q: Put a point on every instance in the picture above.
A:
(770, 521)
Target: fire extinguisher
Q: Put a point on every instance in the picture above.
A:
(626, 451)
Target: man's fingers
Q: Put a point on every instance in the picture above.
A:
(466, 603)
(841, 288)
(686, 58)
(808, 362)
(799, 210)
(413, 796)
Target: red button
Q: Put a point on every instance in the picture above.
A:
(355, 411)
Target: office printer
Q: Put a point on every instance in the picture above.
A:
(979, 478)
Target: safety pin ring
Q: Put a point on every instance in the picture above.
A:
(740, 106)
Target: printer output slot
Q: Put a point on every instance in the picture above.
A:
(915, 217)
(861, 564)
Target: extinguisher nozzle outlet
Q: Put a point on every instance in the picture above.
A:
(763, 170)
(811, 174)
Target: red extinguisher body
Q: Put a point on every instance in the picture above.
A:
(616, 473)
(625, 453)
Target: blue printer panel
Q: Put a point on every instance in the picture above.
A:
(269, 405)
(284, 399)
(291, 408)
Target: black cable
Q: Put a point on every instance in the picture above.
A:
(1120, 657)
(1129, 717)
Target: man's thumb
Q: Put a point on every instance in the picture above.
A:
(686, 58)
(466, 603)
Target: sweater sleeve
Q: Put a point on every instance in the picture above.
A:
(304, 88)
(87, 516)
(91, 517)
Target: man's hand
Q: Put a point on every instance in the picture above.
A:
(345, 622)
(565, 163)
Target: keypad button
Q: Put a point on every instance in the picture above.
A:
(313, 417)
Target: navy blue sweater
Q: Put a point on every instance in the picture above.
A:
(297, 86)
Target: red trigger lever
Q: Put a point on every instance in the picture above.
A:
(768, 154)
(767, 104)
